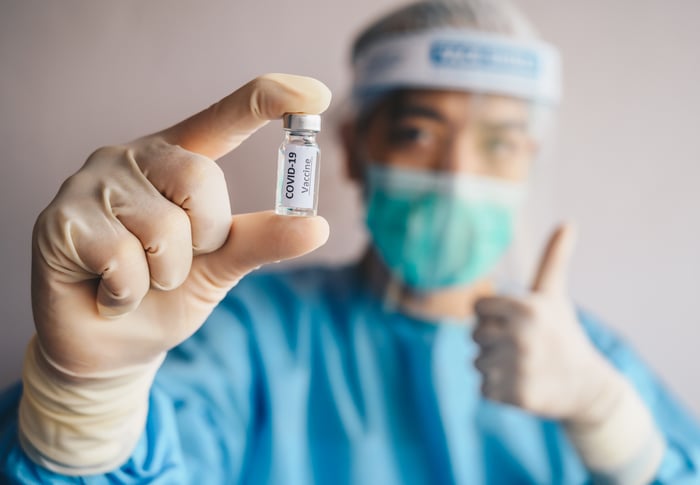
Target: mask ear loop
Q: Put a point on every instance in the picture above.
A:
(396, 288)
(392, 295)
(391, 287)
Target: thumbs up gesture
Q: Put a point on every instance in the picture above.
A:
(534, 353)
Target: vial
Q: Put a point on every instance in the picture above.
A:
(298, 166)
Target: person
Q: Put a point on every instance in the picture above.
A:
(355, 374)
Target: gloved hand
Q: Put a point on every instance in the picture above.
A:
(130, 258)
(535, 355)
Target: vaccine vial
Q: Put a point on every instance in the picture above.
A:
(298, 166)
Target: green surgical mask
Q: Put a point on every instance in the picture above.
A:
(439, 229)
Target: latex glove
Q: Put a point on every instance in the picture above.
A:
(534, 354)
(131, 257)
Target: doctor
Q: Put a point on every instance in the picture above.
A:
(158, 358)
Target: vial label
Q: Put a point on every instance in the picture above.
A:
(299, 175)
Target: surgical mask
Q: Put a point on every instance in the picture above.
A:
(439, 229)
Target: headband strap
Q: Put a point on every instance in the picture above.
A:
(461, 59)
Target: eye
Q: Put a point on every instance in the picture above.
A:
(406, 135)
(499, 145)
(500, 148)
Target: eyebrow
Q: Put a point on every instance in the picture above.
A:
(406, 110)
(505, 125)
(402, 110)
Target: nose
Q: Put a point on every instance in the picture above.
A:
(461, 156)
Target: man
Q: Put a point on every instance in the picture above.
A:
(359, 374)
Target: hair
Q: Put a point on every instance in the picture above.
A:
(493, 16)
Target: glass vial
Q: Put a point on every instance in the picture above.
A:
(298, 166)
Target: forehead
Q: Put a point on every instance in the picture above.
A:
(454, 105)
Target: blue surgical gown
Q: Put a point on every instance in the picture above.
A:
(302, 377)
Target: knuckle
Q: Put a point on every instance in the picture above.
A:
(201, 176)
(125, 296)
(42, 221)
(522, 308)
(521, 395)
(82, 184)
(194, 173)
(210, 173)
(479, 363)
(112, 308)
(105, 154)
(114, 301)
(489, 391)
(154, 151)
(479, 334)
(257, 94)
(126, 252)
(51, 228)
(169, 250)
(124, 279)
(523, 341)
(264, 80)
(265, 101)
(172, 225)
(528, 312)
(482, 305)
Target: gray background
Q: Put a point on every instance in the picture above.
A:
(80, 74)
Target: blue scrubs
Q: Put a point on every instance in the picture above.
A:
(302, 377)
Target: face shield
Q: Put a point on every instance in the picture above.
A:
(446, 170)
(459, 59)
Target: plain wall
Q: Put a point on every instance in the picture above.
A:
(77, 75)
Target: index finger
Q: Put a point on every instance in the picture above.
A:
(224, 125)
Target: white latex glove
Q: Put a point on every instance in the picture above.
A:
(535, 355)
(128, 261)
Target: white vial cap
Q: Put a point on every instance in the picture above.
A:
(301, 122)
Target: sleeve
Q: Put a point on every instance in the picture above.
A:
(681, 432)
(200, 422)
(156, 459)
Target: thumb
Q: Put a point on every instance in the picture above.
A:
(256, 239)
(224, 125)
(554, 265)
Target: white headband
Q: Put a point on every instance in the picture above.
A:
(450, 58)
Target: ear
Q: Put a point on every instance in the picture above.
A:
(349, 139)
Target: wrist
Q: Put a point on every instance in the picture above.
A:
(616, 436)
(77, 425)
(602, 389)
